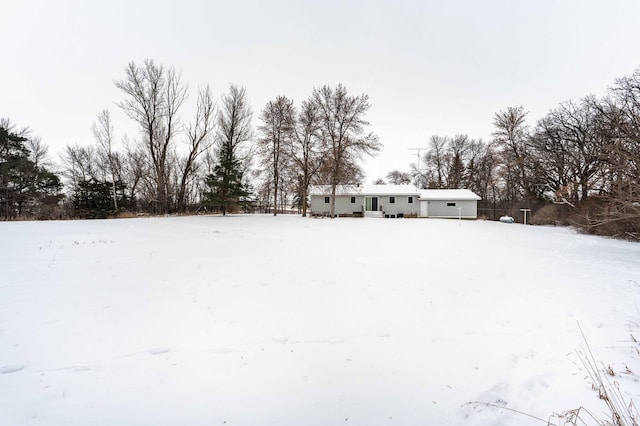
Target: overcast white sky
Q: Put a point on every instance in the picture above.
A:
(429, 67)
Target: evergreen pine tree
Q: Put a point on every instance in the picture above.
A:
(226, 189)
(92, 199)
(24, 186)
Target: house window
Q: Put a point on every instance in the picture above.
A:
(392, 200)
(327, 200)
(353, 200)
(410, 199)
(451, 204)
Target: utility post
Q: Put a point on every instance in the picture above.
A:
(525, 211)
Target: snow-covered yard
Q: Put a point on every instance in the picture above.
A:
(261, 320)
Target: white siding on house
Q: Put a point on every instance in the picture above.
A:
(400, 206)
(317, 205)
(343, 204)
(361, 193)
(444, 203)
(345, 207)
(449, 209)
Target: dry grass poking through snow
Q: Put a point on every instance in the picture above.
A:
(620, 412)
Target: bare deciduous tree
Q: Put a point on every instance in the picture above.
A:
(481, 166)
(80, 164)
(456, 159)
(234, 119)
(135, 168)
(276, 131)
(510, 137)
(619, 120)
(568, 147)
(103, 133)
(397, 177)
(304, 150)
(154, 97)
(234, 129)
(343, 133)
(39, 152)
(435, 160)
(198, 134)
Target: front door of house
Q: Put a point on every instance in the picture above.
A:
(371, 204)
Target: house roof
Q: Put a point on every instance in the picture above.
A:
(365, 190)
(389, 190)
(448, 194)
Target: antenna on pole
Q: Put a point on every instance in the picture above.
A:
(418, 154)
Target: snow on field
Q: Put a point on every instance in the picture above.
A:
(261, 320)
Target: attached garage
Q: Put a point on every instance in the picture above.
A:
(448, 203)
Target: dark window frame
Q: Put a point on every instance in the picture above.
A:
(392, 199)
(327, 200)
(353, 200)
(451, 204)
(410, 199)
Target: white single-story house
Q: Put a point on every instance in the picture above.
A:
(394, 201)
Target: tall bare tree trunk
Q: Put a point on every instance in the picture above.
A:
(154, 97)
(277, 129)
(343, 132)
(103, 132)
(198, 134)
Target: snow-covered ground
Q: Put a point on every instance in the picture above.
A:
(261, 320)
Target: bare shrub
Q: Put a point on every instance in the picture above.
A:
(551, 214)
(601, 216)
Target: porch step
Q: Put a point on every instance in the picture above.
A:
(373, 214)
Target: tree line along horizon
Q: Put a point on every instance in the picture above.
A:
(579, 164)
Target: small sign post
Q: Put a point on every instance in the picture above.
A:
(525, 211)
